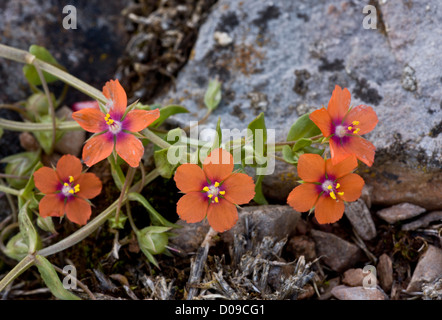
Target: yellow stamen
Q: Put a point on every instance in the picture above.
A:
(66, 184)
(77, 188)
(332, 195)
(350, 128)
(338, 186)
(71, 179)
(71, 191)
(216, 184)
(356, 131)
(216, 199)
(355, 123)
(206, 189)
(210, 196)
(222, 193)
(341, 193)
(107, 116)
(329, 187)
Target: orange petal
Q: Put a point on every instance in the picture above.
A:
(91, 120)
(129, 148)
(322, 119)
(311, 167)
(339, 104)
(303, 197)
(90, 185)
(218, 165)
(114, 92)
(46, 180)
(338, 152)
(365, 115)
(363, 149)
(78, 210)
(328, 210)
(239, 188)
(137, 120)
(342, 168)
(67, 166)
(98, 148)
(190, 177)
(222, 216)
(51, 205)
(192, 207)
(351, 185)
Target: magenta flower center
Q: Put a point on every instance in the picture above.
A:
(213, 192)
(330, 188)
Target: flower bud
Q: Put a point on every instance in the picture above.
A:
(16, 248)
(153, 239)
(20, 164)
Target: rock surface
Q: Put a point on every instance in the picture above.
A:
(400, 212)
(286, 58)
(360, 218)
(427, 270)
(337, 253)
(70, 142)
(385, 272)
(424, 221)
(357, 293)
(302, 246)
(353, 277)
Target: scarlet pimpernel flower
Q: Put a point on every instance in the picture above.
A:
(345, 125)
(66, 189)
(114, 128)
(213, 191)
(325, 187)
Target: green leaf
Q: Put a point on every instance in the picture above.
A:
(46, 224)
(45, 137)
(259, 197)
(212, 98)
(37, 105)
(164, 167)
(301, 144)
(16, 248)
(218, 137)
(156, 217)
(166, 112)
(27, 230)
(257, 126)
(31, 73)
(153, 239)
(51, 279)
(20, 164)
(287, 154)
(27, 193)
(303, 128)
(314, 150)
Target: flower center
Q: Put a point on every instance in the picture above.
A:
(114, 126)
(69, 188)
(213, 192)
(330, 188)
(341, 130)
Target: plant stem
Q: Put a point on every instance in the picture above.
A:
(38, 127)
(21, 267)
(93, 225)
(155, 139)
(127, 182)
(6, 189)
(28, 58)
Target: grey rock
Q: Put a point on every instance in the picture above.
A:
(70, 142)
(427, 270)
(189, 237)
(326, 290)
(302, 246)
(400, 212)
(358, 293)
(336, 253)
(293, 54)
(275, 221)
(385, 272)
(423, 221)
(89, 52)
(360, 218)
(353, 277)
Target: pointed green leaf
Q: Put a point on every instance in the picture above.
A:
(212, 98)
(287, 154)
(301, 144)
(166, 112)
(51, 279)
(303, 128)
(164, 167)
(155, 216)
(31, 73)
(27, 229)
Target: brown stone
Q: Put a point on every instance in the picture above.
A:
(353, 277)
(385, 272)
(423, 221)
(360, 218)
(400, 212)
(302, 246)
(427, 270)
(357, 293)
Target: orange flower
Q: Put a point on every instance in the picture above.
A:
(66, 190)
(213, 191)
(344, 127)
(115, 127)
(326, 187)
